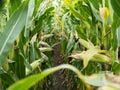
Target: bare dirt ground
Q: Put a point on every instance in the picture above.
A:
(59, 77)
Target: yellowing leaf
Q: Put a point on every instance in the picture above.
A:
(93, 54)
(88, 55)
(86, 44)
(34, 65)
(44, 49)
(74, 12)
(104, 13)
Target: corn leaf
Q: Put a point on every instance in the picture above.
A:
(14, 4)
(34, 65)
(13, 28)
(116, 6)
(19, 63)
(6, 77)
(106, 81)
(26, 83)
(74, 12)
(88, 55)
(86, 44)
(29, 17)
(93, 54)
(116, 68)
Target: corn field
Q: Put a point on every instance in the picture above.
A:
(59, 45)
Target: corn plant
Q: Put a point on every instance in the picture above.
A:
(86, 30)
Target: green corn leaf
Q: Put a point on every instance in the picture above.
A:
(95, 3)
(14, 5)
(13, 28)
(103, 80)
(34, 65)
(40, 21)
(95, 13)
(37, 3)
(37, 50)
(42, 7)
(19, 63)
(81, 33)
(5, 77)
(71, 43)
(31, 6)
(116, 67)
(2, 3)
(26, 83)
(116, 6)
(75, 13)
(115, 29)
(32, 52)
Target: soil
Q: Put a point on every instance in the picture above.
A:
(59, 77)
